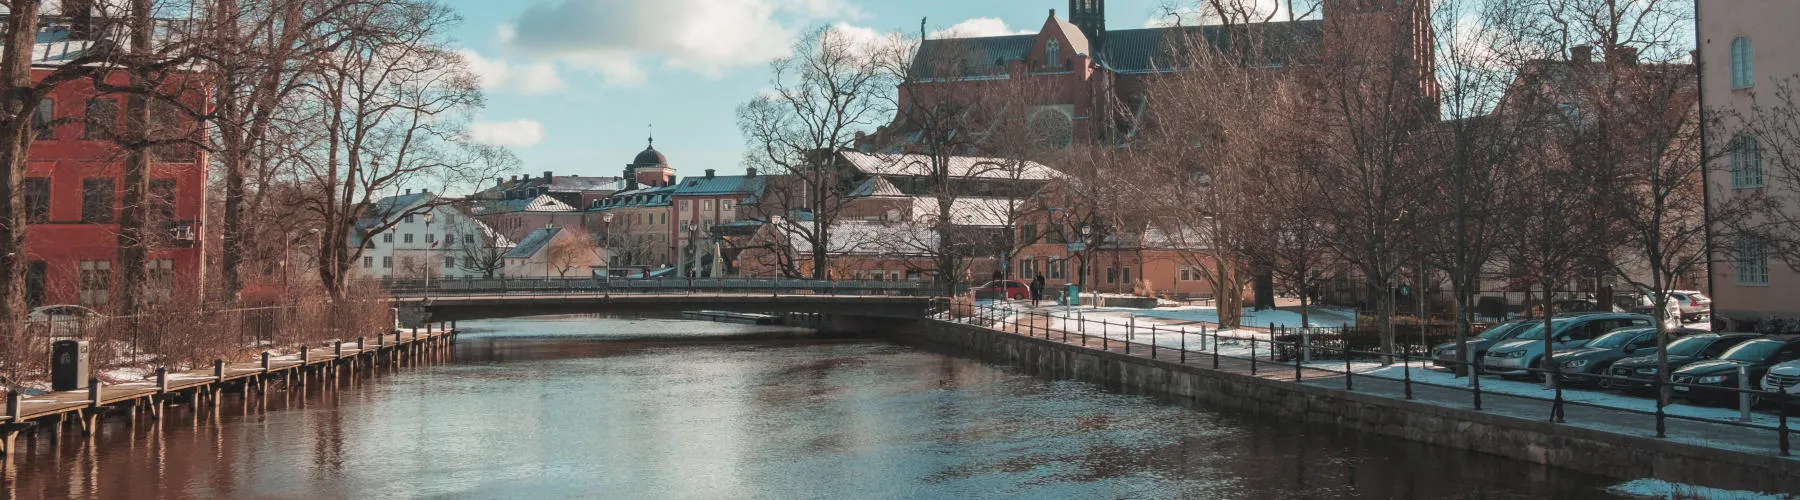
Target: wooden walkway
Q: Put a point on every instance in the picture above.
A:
(203, 386)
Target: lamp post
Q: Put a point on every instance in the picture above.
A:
(606, 219)
(428, 257)
(287, 252)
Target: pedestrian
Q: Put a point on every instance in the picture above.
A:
(1037, 289)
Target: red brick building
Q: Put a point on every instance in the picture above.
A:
(73, 190)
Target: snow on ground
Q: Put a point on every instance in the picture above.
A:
(1657, 488)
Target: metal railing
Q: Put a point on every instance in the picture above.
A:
(1296, 358)
(719, 286)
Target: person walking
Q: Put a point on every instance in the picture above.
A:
(1037, 289)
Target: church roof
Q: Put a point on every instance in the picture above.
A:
(1144, 50)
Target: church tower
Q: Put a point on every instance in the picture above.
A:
(1090, 16)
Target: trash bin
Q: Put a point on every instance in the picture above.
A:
(69, 365)
(1072, 296)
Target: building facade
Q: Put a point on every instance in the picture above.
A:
(1747, 56)
(74, 186)
(426, 238)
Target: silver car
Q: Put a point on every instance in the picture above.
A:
(1525, 351)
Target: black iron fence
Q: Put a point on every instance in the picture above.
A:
(662, 286)
(1300, 356)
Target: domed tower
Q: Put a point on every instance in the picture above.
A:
(651, 168)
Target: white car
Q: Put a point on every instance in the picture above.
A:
(1524, 353)
(1693, 305)
(63, 320)
(1784, 377)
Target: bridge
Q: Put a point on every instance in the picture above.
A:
(457, 300)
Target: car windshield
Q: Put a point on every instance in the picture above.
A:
(1755, 350)
(1537, 330)
(1689, 346)
(1499, 332)
(1615, 339)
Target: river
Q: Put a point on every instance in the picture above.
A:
(582, 407)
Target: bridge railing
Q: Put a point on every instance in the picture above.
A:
(720, 286)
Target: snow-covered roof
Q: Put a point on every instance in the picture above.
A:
(878, 187)
(976, 167)
(534, 242)
(542, 203)
(863, 237)
(968, 210)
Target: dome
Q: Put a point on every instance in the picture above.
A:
(650, 157)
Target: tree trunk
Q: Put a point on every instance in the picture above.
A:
(134, 230)
(16, 66)
(1263, 286)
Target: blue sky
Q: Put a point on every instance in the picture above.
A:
(573, 85)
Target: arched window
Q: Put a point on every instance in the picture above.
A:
(1050, 53)
(1746, 162)
(1742, 76)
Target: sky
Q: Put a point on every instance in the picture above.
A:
(574, 86)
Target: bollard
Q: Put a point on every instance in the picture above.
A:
(1743, 394)
(1153, 341)
(1476, 379)
(1556, 408)
(94, 393)
(1661, 430)
(219, 370)
(1306, 344)
(1184, 345)
(1406, 370)
(265, 361)
(1252, 355)
(338, 349)
(1131, 324)
(1349, 384)
(1297, 376)
(1215, 349)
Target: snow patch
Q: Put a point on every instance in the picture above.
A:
(1657, 488)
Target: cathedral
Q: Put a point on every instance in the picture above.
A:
(1087, 72)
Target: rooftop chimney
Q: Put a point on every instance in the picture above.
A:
(750, 172)
(408, 190)
(709, 173)
(1581, 53)
(547, 175)
(1627, 56)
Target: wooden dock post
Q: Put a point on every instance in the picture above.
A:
(91, 416)
(162, 393)
(218, 371)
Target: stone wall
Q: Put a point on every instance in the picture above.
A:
(1576, 448)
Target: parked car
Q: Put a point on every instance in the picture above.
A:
(1006, 289)
(1754, 357)
(1693, 305)
(1525, 352)
(1682, 352)
(1579, 366)
(1784, 377)
(66, 320)
(1445, 355)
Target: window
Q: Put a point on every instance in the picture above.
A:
(409, 218)
(431, 238)
(1056, 268)
(40, 120)
(684, 206)
(878, 275)
(1746, 162)
(1112, 275)
(1125, 275)
(724, 204)
(706, 206)
(1742, 76)
(1189, 273)
(368, 262)
(387, 262)
(1052, 54)
(95, 282)
(1752, 262)
(449, 239)
(665, 219)
(387, 237)
(1028, 233)
(168, 122)
(408, 238)
(37, 200)
(914, 275)
(102, 115)
(160, 281)
(97, 201)
(468, 262)
(468, 239)
(449, 262)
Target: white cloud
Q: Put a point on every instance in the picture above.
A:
(618, 38)
(516, 133)
(531, 77)
(977, 27)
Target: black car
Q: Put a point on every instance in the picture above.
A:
(1682, 351)
(1578, 366)
(1753, 356)
(1444, 355)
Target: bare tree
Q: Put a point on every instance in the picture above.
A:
(822, 98)
(573, 251)
(487, 255)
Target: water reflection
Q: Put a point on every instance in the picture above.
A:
(595, 407)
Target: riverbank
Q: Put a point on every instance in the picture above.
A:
(1507, 428)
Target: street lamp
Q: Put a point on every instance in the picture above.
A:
(428, 257)
(286, 253)
(606, 219)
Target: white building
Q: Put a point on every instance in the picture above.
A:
(420, 235)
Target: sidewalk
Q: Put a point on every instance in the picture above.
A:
(1589, 409)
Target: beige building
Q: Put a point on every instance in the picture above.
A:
(1749, 51)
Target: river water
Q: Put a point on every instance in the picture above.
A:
(582, 407)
